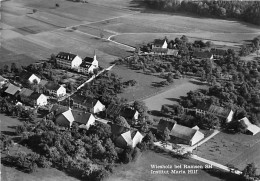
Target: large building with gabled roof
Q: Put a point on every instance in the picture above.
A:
(68, 60)
(88, 65)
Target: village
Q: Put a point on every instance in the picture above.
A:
(71, 101)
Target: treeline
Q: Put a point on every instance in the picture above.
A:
(248, 11)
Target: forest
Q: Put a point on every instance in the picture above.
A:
(248, 11)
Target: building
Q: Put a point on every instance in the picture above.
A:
(32, 78)
(158, 43)
(65, 119)
(3, 81)
(180, 134)
(202, 55)
(251, 128)
(130, 138)
(88, 103)
(218, 53)
(225, 114)
(68, 60)
(55, 89)
(38, 99)
(12, 90)
(88, 65)
(24, 95)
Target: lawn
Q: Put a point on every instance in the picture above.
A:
(141, 169)
(180, 88)
(94, 31)
(236, 149)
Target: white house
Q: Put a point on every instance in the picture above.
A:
(33, 77)
(38, 99)
(68, 60)
(90, 104)
(160, 44)
(129, 138)
(251, 128)
(2, 81)
(55, 89)
(88, 65)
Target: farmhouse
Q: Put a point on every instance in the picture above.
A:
(88, 103)
(251, 128)
(115, 110)
(158, 43)
(218, 53)
(12, 90)
(32, 78)
(88, 65)
(129, 138)
(68, 60)
(25, 94)
(180, 134)
(202, 55)
(38, 99)
(66, 119)
(223, 113)
(55, 89)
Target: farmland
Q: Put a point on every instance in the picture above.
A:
(238, 149)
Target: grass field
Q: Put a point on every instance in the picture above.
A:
(180, 88)
(141, 170)
(238, 149)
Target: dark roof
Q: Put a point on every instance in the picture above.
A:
(84, 100)
(127, 112)
(85, 64)
(88, 60)
(24, 75)
(25, 92)
(34, 95)
(66, 56)
(213, 109)
(52, 86)
(114, 110)
(201, 54)
(81, 117)
(216, 51)
(58, 109)
(159, 50)
(163, 124)
(159, 42)
(183, 132)
(117, 129)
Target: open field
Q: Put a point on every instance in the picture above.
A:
(237, 149)
(8, 124)
(94, 31)
(141, 170)
(180, 88)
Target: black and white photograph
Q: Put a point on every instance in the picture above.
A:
(130, 90)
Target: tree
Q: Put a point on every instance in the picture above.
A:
(249, 171)
(120, 120)
(57, 5)
(166, 134)
(13, 67)
(6, 68)
(140, 107)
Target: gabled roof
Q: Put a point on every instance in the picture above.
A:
(114, 109)
(216, 51)
(43, 82)
(85, 64)
(127, 112)
(69, 116)
(25, 92)
(35, 95)
(66, 56)
(159, 42)
(249, 126)
(163, 124)
(183, 132)
(58, 109)
(52, 86)
(25, 75)
(12, 89)
(117, 129)
(88, 60)
(81, 117)
(201, 54)
(84, 100)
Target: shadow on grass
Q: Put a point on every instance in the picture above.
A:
(197, 82)
(225, 176)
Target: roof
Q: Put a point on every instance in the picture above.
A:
(84, 100)
(58, 109)
(216, 51)
(81, 117)
(114, 109)
(66, 56)
(69, 116)
(159, 42)
(52, 86)
(201, 54)
(127, 112)
(183, 132)
(2, 78)
(163, 124)
(12, 89)
(43, 82)
(249, 126)
(159, 50)
(26, 75)
(25, 92)
(117, 129)
(35, 95)
(220, 111)
(88, 60)
(85, 64)
(128, 137)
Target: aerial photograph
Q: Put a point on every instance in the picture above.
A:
(130, 90)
